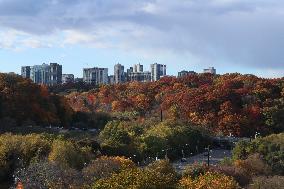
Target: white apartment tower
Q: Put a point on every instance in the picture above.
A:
(95, 75)
(119, 75)
(211, 70)
(158, 71)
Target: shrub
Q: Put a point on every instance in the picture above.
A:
(125, 179)
(271, 148)
(253, 165)
(195, 170)
(115, 140)
(159, 175)
(209, 180)
(17, 151)
(104, 166)
(46, 175)
(275, 182)
(238, 174)
(68, 154)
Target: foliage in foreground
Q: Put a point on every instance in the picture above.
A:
(159, 175)
(272, 182)
(209, 180)
(157, 139)
(19, 151)
(271, 148)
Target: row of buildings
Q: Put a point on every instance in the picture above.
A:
(51, 74)
(47, 74)
(135, 73)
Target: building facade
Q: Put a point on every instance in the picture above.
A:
(140, 76)
(40, 74)
(128, 72)
(211, 70)
(119, 75)
(43, 74)
(68, 78)
(186, 73)
(95, 75)
(26, 72)
(158, 71)
(55, 74)
(111, 79)
(137, 68)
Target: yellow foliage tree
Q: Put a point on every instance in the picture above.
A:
(209, 180)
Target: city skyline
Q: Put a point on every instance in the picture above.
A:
(231, 35)
(52, 74)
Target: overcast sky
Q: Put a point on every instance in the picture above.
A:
(245, 36)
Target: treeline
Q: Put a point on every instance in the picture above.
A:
(235, 104)
(23, 103)
(55, 162)
(67, 88)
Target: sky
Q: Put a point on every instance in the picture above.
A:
(231, 35)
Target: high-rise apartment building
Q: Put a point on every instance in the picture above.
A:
(111, 79)
(140, 76)
(26, 72)
(43, 74)
(55, 74)
(128, 72)
(211, 70)
(40, 74)
(186, 73)
(158, 71)
(67, 78)
(137, 68)
(119, 75)
(95, 75)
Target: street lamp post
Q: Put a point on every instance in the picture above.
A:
(208, 155)
(256, 134)
(157, 156)
(166, 154)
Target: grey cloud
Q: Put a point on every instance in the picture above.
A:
(239, 32)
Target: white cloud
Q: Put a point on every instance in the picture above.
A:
(237, 32)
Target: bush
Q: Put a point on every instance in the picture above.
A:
(237, 174)
(159, 175)
(209, 180)
(46, 175)
(68, 154)
(275, 182)
(104, 167)
(253, 166)
(271, 148)
(174, 136)
(125, 179)
(194, 170)
(18, 151)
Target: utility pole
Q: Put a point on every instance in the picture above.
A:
(161, 115)
(161, 110)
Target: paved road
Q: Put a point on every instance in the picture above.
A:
(216, 155)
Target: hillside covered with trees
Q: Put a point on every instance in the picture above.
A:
(25, 103)
(235, 104)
